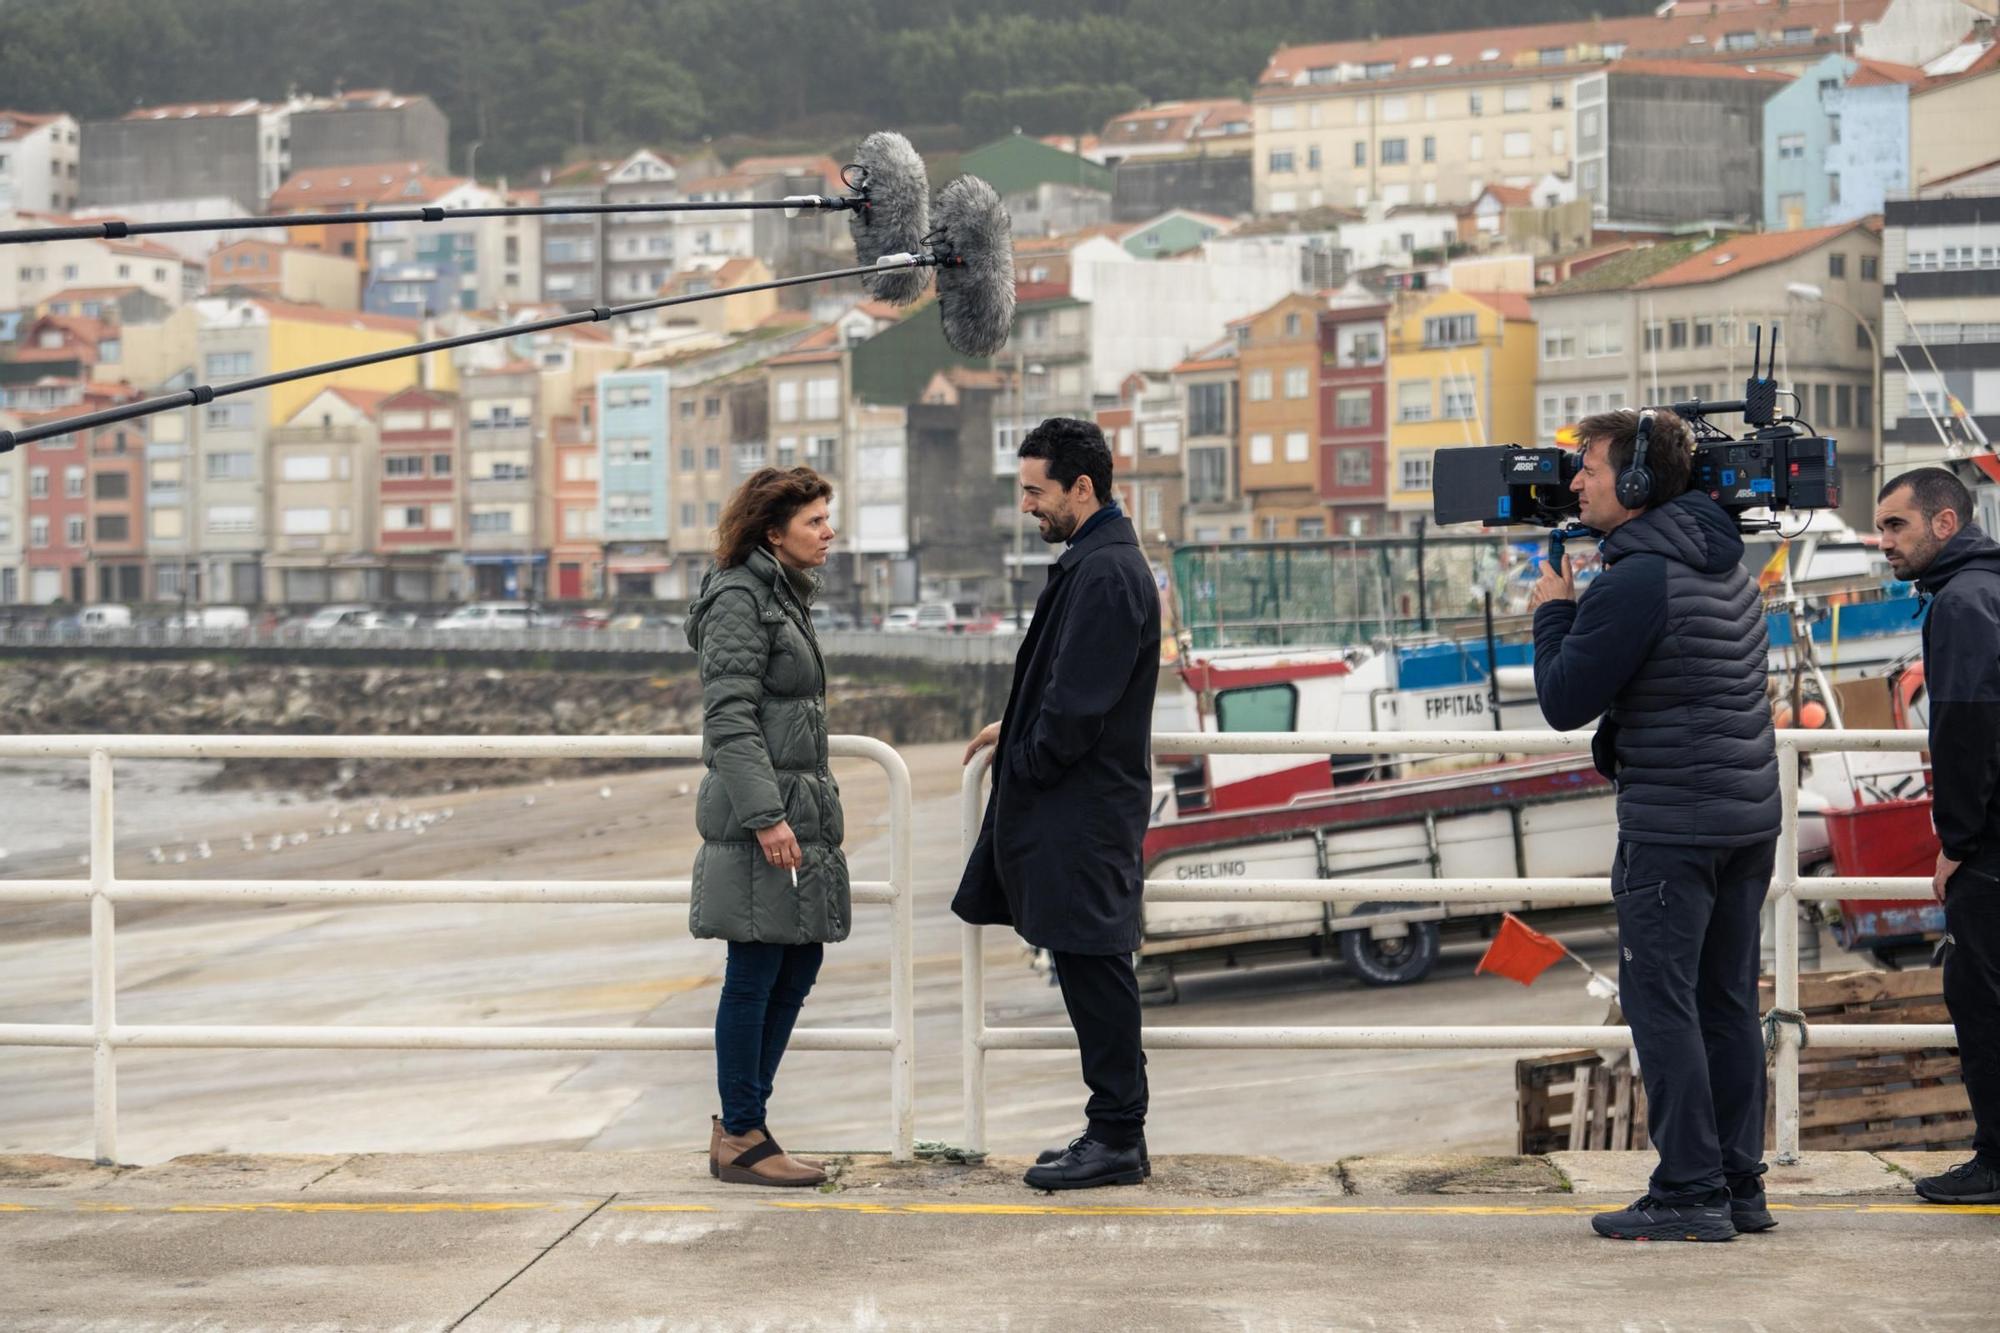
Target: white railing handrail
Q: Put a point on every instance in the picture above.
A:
(104, 1036)
(1787, 886)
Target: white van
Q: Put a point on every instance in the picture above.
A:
(212, 617)
(105, 615)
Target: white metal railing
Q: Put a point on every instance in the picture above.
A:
(1787, 887)
(941, 646)
(104, 1035)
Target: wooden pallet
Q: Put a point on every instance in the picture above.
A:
(1550, 1091)
(1890, 1100)
(1848, 1100)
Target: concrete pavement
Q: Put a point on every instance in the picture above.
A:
(560, 1241)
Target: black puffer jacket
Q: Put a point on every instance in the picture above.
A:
(1668, 647)
(1962, 677)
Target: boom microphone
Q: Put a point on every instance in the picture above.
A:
(973, 247)
(893, 215)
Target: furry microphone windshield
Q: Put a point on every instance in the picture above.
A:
(896, 216)
(975, 267)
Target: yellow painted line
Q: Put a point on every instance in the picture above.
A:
(19, 1208)
(303, 1207)
(1196, 1210)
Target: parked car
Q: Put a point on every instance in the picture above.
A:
(105, 615)
(496, 616)
(900, 620)
(339, 616)
(826, 618)
(937, 615)
(211, 617)
(389, 620)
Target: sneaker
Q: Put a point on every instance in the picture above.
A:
(1749, 1213)
(1650, 1219)
(1968, 1182)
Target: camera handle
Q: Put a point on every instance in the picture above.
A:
(1557, 536)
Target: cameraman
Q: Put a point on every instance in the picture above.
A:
(1668, 648)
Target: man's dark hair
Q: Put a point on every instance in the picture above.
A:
(1669, 447)
(1935, 490)
(1072, 449)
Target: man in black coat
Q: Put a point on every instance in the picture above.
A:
(1058, 857)
(1668, 647)
(1925, 521)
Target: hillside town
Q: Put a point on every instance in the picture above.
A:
(1277, 309)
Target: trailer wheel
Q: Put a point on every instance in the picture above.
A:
(1156, 983)
(1391, 962)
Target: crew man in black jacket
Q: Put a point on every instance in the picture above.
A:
(1058, 857)
(1667, 646)
(1925, 521)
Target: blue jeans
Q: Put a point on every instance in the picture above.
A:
(763, 989)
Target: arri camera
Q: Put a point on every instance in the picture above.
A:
(1778, 464)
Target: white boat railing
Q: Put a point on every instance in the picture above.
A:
(1791, 1029)
(104, 1036)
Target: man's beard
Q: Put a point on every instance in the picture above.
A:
(1057, 528)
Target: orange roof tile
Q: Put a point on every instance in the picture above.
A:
(91, 293)
(318, 314)
(1511, 196)
(365, 400)
(1508, 305)
(193, 110)
(312, 189)
(20, 124)
(1876, 73)
(1741, 254)
(1497, 50)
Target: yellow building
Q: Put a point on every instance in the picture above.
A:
(1461, 371)
(302, 335)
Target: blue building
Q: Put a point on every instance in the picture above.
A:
(1836, 142)
(417, 290)
(634, 436)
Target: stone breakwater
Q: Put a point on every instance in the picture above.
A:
(43, 697)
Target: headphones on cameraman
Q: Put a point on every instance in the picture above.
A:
(1635, 483)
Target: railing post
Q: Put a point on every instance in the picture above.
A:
(972, 975)
(902, 959)
(1786, 989)
(103, 960)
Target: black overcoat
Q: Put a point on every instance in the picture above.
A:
(1058, 856)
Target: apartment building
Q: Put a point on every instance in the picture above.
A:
(1461, 371)
(577, 545)
(506, 553)
(1209, 385)
(636, 434)
(1278, 455)
(419, 517)
(1941, 320)
(1353, 417)
(323, 470)
(39, 153)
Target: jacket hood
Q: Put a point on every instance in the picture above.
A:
(1969, 548)
(759, 575)
(1690, 528)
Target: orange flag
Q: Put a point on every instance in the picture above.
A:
(1520, 952)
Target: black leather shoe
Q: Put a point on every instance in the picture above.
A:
(1145, 1158)
(1086, 1164)
(1650, 1219)
(1968, 1182)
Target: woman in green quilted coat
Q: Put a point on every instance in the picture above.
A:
(770, 877)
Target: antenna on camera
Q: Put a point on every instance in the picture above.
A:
(1760, 391)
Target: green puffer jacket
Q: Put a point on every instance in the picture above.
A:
(763, 699)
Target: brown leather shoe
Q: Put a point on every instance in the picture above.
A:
(817, 1164)
(715, 1142)
(753, 1159)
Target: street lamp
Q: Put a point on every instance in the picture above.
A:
(1810, 291)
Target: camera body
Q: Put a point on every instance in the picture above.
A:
(1774, 469)
(1778, 464)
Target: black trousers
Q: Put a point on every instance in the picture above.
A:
(1972, 993)
(1102, 997)
(1688, 923)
